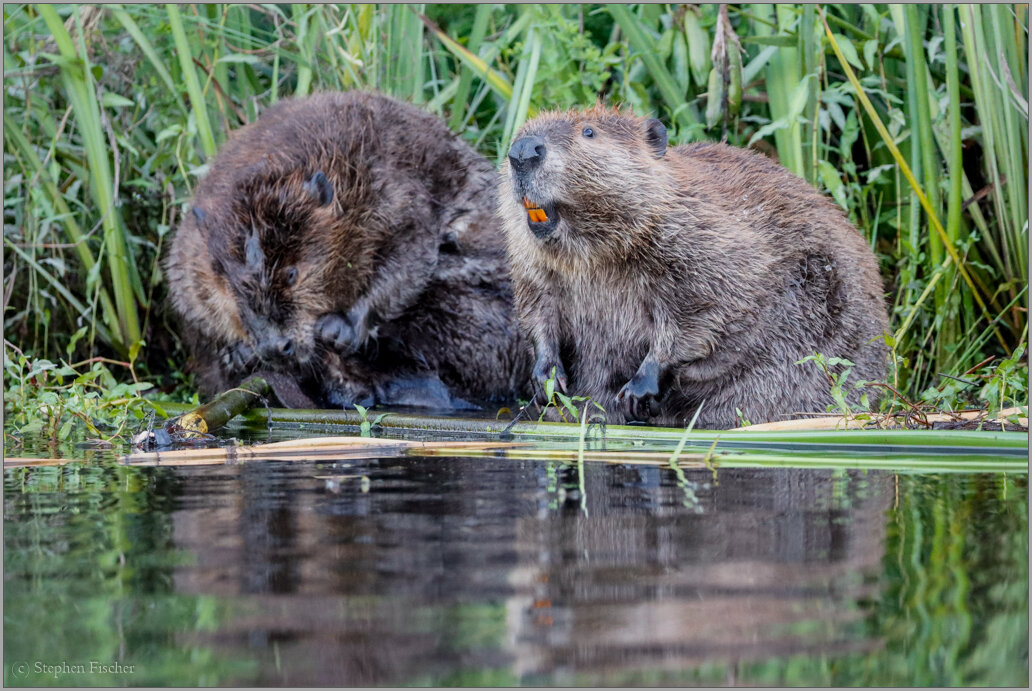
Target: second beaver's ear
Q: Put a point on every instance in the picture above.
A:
(318, 187)
(656, 137)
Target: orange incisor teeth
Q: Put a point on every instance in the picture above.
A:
(534, 213)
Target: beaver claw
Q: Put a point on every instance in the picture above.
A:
(345, 334)
(637, 398)
(237, 357)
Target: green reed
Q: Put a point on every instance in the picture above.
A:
(913, 119)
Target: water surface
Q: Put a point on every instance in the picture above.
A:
(456, 571)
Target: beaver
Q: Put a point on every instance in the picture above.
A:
(656, 279)
(330, 243)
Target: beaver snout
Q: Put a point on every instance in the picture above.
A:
(527, 153)
(275, 348)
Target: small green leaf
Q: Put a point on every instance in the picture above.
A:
(567, 403)
(779, 41)
(134, 350)
(170, 131)
(799, 96)
(870, 49)
(833, 183)
(66, 428)
(665, 45)
(70, 348)
(240, 57)
(849, 51)
(112, 100)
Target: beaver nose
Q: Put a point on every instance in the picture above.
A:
(527, 153)
(276, 348)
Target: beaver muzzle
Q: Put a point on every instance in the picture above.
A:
(542, 219)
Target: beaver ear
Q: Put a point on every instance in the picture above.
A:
(254, 257)
(318, 187)
(656, 137)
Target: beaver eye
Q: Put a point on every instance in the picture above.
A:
(588, 132)
(291, 276)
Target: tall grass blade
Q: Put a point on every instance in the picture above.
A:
(646, 48)
(76, 79)
(905, 169)
(519, 105)
(193, 86)
(148, 49)
(461, 98)
(59, 287)
(787, 90)
(306, 39)
(494, 79)
(72, 230)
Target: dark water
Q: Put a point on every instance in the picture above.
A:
(452, 571)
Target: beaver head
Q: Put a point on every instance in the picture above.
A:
(575, 176)
(271, 259)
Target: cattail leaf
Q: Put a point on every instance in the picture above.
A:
(698, 41)
(682, 68)
(714, 97)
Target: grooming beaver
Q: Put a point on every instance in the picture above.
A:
(346, 244)
(654, 279)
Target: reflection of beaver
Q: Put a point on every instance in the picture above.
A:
(348, 240)
(661, 278)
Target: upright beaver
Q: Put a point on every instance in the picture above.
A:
(656, 279)
(346, 243)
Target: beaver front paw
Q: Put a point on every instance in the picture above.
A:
(637, 398)
(348, 394)
(237, 357)
(345, 334)
(548, 367)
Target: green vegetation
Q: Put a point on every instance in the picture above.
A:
(913, 119)
(62, 401)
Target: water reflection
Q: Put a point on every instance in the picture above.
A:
(473, 571)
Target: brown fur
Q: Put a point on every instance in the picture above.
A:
(673, 277)
(319, 229)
